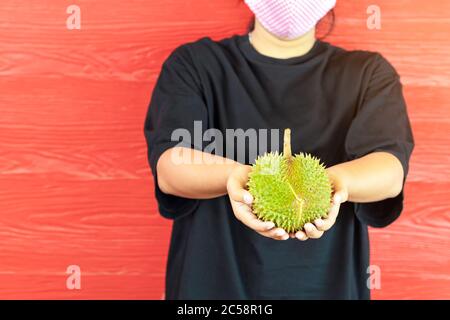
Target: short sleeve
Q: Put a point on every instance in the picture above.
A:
(381, 124)
(176, 104)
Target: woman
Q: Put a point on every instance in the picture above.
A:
(345, 107)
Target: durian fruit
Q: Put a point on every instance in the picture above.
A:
(289, 190)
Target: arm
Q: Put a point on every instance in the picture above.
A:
(200, 176)
(206, 176)
(374, 177)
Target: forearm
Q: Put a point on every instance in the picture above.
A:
(193, 174)
(374, 177)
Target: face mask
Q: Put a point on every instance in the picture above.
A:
(289, 19)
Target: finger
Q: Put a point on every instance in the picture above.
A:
(300, 235)
(330, 220)
(321, 224)
(340, 194)
(276, 233)
(324, 224)
(333, 213)
(247, 217)
(237, 192)
(312, 232)
(279, 233)
(241, 205)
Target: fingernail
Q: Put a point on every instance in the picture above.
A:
(270, 225)
(300, 236)
(248, 198)
(308, 227)
(279, 233)
(337, 198)
(319, 223)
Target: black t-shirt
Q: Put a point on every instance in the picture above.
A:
(339, 104)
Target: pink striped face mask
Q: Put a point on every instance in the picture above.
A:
(289, 19)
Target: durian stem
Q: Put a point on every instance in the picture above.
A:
(287, 143)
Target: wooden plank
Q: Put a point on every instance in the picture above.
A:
(75, 187)
(89, 138)
(107, 227)
(413, 253)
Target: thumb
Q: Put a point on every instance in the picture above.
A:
(237, 192)
(340, 196)
(247, 197)
(340, 191)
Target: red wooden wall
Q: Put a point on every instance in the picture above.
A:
(75, 188)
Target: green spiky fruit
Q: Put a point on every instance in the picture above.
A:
(289, 190)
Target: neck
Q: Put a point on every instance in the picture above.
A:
(269, 45)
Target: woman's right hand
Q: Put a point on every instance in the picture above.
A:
(241, 201)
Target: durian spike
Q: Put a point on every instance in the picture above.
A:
(287, 144)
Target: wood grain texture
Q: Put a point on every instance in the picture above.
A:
(75, 187)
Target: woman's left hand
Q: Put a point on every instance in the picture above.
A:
(340, 195)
